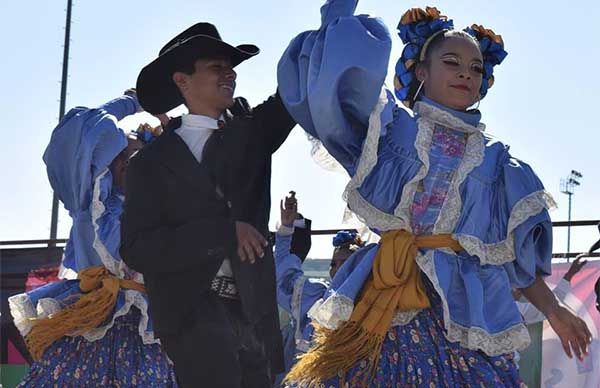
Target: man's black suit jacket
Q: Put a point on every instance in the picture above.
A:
(179, 218)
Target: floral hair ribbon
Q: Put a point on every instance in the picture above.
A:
(417, 26)
(492, 51)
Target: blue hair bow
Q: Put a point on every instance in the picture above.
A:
(415, 27)
(344, 237)
(492, 51)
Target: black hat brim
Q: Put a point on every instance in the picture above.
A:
(156, 91)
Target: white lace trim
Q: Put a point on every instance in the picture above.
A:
(47, 306)
(296, 304)
(118, 268)
(132, 298)
(372, 216)
(451, 209)
(368, 158)
(446, 119)
(331, 312)
(404, 317)
(66, 273)
(422, 145)
(21, 310)
(322, 157)
(114, 266)
(510, 340)
(504, 251)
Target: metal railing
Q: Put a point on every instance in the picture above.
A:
(321, 232)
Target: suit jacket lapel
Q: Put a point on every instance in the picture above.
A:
(178, 158)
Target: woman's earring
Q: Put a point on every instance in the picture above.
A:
(478, 103)
(418, 91)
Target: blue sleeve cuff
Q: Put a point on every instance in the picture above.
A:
(122, 106)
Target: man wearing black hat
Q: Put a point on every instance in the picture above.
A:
(196, 213)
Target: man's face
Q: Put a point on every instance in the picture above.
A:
(210, 87)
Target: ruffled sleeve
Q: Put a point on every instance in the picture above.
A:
(526, 203)
(288, 269)
(82, 146)
(331, 79)
(77, 158)
(295, 292)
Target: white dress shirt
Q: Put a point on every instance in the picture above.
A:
(195, 131)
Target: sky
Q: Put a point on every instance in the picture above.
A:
(543, 104)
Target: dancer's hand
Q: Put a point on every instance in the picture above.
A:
(133, 93)
(289, 212)
(164, 119)
(571, 330)
(250, 242)
(575, 267)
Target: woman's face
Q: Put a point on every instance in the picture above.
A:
(453, 73)
(339, 257)
(119, 164)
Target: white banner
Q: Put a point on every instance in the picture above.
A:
(557, 369)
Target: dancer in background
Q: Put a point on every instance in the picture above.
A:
(296, 293)
(92, 328)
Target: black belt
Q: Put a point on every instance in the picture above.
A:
(225, 287)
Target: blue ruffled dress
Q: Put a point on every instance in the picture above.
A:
(122, 351)
(428, 171)
(296, 294)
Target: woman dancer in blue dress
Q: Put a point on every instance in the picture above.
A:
(461, 220)
(92, 328)
(296, 293)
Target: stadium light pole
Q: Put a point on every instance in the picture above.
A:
(63, 98)
(567, 186)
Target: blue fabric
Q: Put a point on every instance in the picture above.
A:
(77, 159)
(82, 147)
(330, 89)
(493, 54)
(330, 79)
(119, 359)
(289, 275)
(344, 237)
(414, 36)
(419, 355)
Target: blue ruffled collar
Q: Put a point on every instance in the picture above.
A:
(468, 121)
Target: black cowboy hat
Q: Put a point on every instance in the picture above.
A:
(156, 90)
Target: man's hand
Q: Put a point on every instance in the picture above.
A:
(575, 267)
(250, 242)
(289, 212)
(164, 119)
(572, 331)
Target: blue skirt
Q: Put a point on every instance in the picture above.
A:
(119, 359)
(418, 354)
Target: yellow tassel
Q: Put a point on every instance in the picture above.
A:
(89, 312)
(100, 289)
(336, 351)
